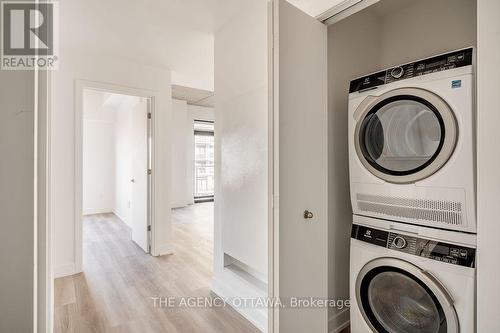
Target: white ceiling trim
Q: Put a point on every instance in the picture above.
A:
(343, 10)
(315, 7)
(337, 9)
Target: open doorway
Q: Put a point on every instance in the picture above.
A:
(193, 117)
(116, 169)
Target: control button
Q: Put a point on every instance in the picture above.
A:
(455, 252)
(397, 72)
(463, 254)
(399, 242)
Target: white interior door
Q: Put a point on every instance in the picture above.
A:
(139, 203)
(301, 63)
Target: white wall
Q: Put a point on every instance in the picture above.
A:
(182, 188)
(161, 33)
(183, 117)
(241, 114)
(424, 28)
(241, 151)
(17, 200)
(488, 164)
(200, 113)
(98, 167)
(119, 72)
(107, 153)
(98, 155)
(123, 161)
(346, 60)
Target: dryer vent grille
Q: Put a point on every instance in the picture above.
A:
(439, 211)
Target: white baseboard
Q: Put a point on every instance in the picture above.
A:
(64, 270)
(181, 204)
(164, 249)
(338, 321)
(122, 219)
(97, 211)
(226, 289)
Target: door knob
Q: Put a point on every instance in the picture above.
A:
(308, 214)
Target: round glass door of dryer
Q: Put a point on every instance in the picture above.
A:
(405, 135)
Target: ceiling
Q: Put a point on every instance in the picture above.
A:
(194, 96)
(177, 34)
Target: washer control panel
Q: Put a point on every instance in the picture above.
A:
(435, 64)
(397, 72)
(399, 242)
(440, 251)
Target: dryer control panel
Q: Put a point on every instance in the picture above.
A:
(435, 64)
(440, 251)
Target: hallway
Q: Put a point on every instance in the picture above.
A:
(114, 294)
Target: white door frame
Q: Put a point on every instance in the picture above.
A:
(274, 184)
(488, 179)
(80, 86)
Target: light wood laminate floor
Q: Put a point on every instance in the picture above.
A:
(114, 292)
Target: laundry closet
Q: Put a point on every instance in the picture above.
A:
(314, 63)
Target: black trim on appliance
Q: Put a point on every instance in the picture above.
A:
(362, 134)
(426, 248)
(365, 284)
(438, 63)
(368, 82)
(370, 235)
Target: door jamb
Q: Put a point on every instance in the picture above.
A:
(273, 278)
(80, 86)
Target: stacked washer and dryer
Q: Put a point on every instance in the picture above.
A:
(412, 180)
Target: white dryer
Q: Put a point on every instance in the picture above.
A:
(411, 143)
(411, 280)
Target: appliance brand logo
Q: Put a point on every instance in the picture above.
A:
(456, 84)
(28, 35)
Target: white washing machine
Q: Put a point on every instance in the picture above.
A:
(411, 143)
(411, 280)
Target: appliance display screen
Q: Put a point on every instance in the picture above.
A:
(435, 64)
(440, 249)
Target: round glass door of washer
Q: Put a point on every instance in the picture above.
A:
(395, 296)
